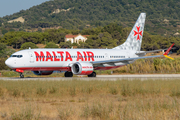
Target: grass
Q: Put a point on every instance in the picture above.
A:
(77, 99)
(26, 113)
(157, 65)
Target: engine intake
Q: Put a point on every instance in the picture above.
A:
(82, 68)
(42, 72)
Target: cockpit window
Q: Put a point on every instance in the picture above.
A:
(18, 56)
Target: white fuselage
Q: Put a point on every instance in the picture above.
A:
(62, 59)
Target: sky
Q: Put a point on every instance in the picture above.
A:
(8, 7)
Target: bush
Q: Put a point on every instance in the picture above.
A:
(51, 45)
(27, 45)
(2, 64)
(65, 44)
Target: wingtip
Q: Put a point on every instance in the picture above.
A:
(168, 57)
(166, 53)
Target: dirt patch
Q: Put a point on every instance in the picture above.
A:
(20, 19)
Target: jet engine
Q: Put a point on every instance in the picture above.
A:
(42, 72)
(82, 68)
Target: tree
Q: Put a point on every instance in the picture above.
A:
(65, 44)
(3, 66)
(4, 31)
(51, 45)
(27, 45)
(4, 51)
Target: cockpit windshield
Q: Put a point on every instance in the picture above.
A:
(18, 56)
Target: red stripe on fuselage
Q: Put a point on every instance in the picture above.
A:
(45, 68)
(62, 68)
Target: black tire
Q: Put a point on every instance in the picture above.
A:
(21, 75)
(93, 74)
(68, 74)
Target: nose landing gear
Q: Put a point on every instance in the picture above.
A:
(21, 72)
(21, 75)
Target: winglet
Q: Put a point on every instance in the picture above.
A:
(166, 53)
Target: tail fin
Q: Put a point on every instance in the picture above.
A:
(134, 39)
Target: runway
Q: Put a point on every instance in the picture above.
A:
(103, 77)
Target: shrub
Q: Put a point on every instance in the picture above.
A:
(51, 45)
(26, 45)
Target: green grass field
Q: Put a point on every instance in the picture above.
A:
(77, 99)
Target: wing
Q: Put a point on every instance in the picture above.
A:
(123, 60)
(131, 59)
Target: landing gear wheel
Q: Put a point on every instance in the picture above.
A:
(93, 74)
(68, 74)
(21, 75)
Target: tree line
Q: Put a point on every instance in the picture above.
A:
(101, 37)
(99, 13)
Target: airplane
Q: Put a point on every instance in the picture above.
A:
(82, 61)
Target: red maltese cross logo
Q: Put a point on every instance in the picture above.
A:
(138, 33)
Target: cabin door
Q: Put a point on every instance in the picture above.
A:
(31, 60)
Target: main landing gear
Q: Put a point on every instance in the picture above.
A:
(68, 74)
(21, 75)
(93, 74)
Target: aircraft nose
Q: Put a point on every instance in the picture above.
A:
(8, 62)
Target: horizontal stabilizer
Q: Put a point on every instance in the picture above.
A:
(144, 52)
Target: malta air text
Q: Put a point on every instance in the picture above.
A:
(64, 56)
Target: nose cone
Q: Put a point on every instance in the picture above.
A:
(8, 63)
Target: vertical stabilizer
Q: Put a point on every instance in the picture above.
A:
(134, 39)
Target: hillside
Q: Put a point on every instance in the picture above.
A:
(162, 16)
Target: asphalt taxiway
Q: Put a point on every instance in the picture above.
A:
(103, 77)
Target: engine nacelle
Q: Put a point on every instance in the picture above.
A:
(82, 68)
(42, 72)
